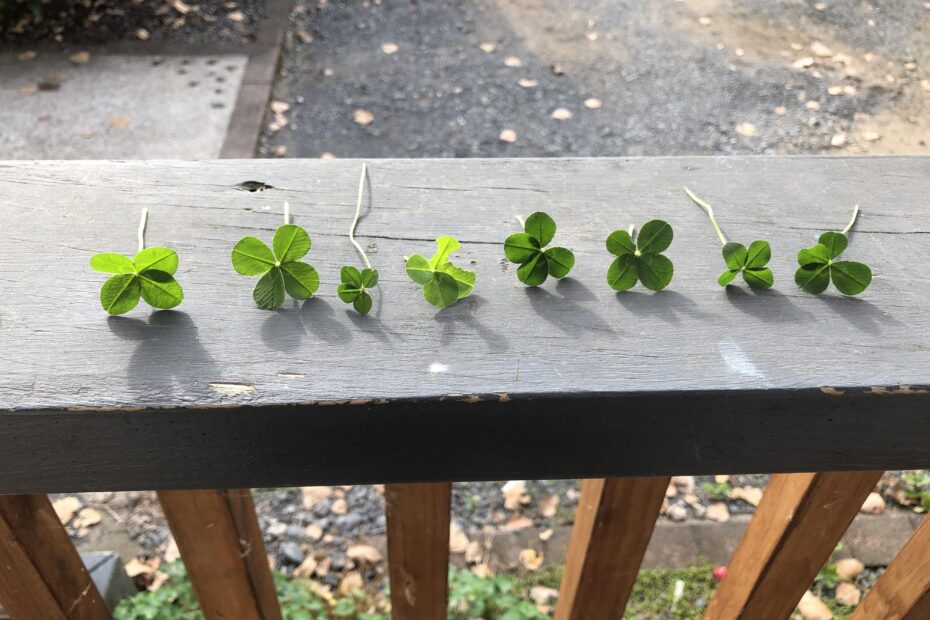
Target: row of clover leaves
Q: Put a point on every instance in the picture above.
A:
(150, 273)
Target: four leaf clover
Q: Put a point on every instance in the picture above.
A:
(443, 283)
(642, 261)
(750, 262)
(818, 266)
(352, 289)
(149, 274)
(526, 248)
(282, 270)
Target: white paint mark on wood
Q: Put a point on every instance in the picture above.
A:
(734, 357)
(436, 368)
(232, 389)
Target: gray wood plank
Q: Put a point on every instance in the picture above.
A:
(689, 355)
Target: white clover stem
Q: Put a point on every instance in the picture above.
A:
(632, 228)
(710, 214)
(853, 220)
(520, 220)
(358, 210)
(287, 213)
(143, 220)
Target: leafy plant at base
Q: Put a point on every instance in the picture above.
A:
(751, 262)
(526, 248)
(443, 283)
(718, 490)
(280, 269)
(818, 265)
(354, 285)
(644, 261)
(149, 275)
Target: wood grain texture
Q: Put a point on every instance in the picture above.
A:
(903, 590)
(41, 573)
(613, 525)
(791, 535)
(283, 390)
(418, 549)
(222, 547)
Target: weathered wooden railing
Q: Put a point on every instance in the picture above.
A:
(567, 380)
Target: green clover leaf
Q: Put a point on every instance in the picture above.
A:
(443, 283)
(750, 262)
(354, 285)
(642, 261)
(818, 265)
(280, 268)
(149, 275)
(526, 249)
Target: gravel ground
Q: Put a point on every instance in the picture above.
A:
(525, 78)
(104, 21)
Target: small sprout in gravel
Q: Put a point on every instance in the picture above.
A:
(818, 265)
(149, 274)
(354, 285)
(642, 261)
(443, 283)
(751, 262)
(526, 248)
(280, 269)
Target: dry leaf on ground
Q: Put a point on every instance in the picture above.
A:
(561, 114)
(29, 55)
(531, 559)
(81, 58)
(458, 540)
(363, 117)
(718, 512)
(721, 478)
(514, 494)
(389, 48)
(508, 135)
(746, 129)
(548, 505)
(306, 568)
(351, 582)
(750, 495)
(364, 553)
(119, 122)
(487, 47)
(236, 16)
(172, 552)
(474, 552)
(513, 62)
(541, 595)
(527, 83)
(314, 495)
(546, 534)
(86, 518)
(518, 522)
(280, 107)
(847, 594)
(339, 507)
(849, 568)
(812, 608)
(593, 103)
(66, 507)
(314, 531)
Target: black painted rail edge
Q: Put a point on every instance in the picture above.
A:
(475, 437)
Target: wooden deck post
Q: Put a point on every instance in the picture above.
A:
(903, 591)
(796, 527)
(41, 573)
(418, 549)
(221, 544)
(613, 525)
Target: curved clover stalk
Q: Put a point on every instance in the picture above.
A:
(642, 261)
(818, 265)
(280, 269)
(149, 275)
(443, 283)
(740, 260)
(354, 285)
(526, 249)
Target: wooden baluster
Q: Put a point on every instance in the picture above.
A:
(795, 529)
(613, 525)
(418, 549)
(221, 544)
(903, 590)
(41, 573)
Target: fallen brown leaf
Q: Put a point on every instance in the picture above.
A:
(513, 62)
(119, 122)
(514, 494)
(339, 507)
(847, 594)
(364, 553)
(280, 107)
(65, 508)
(750, 495)
(541, 595)
(474, 552)
(561, 114)
(389, 48)
(314, 531)
(546, 534)
(508, 135)
(30, 55)
(312, 496)
(29, 90)
(86, 518)
(487, 47)
(548, 505)
(593, 103)
(363, 117)
(718, 511)
(306, 568)
(351, 582)
(458, 540)
(236, 16)
(849, 568)
(746, 129)
(812, 608)
(81, 58)
(531, 559)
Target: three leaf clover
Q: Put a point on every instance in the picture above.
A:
(642, 261)
(750, 262)
(526, 248)
(149, 274)
(282, 270)
(818, 266)
(443, 283)
(352, 288)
